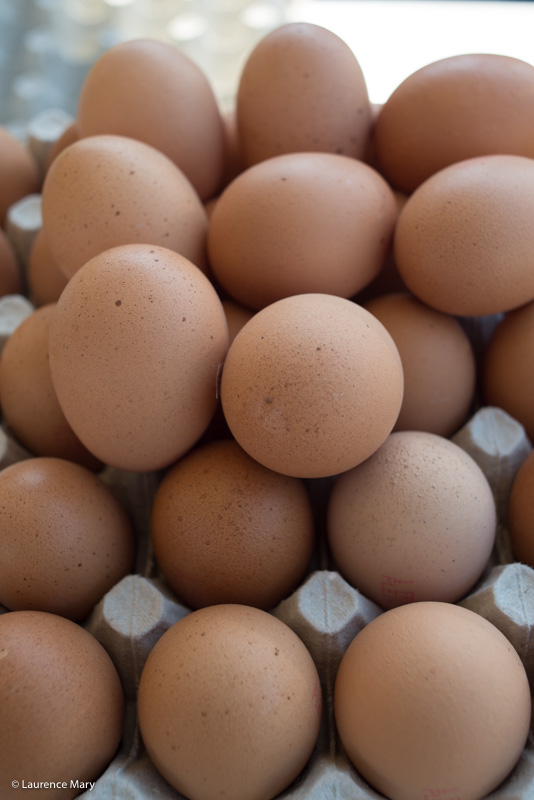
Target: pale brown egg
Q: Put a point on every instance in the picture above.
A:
(229, 704)
(301, 222)
(312, 385)
(415, 521)
(227, 530)
(65, 539)
(27, 396)
(437, 361)
(464, 241)
(136, 344)
(508, 367)
(46, 281)
(431, 700)
(10, 271)
(151, 91)
(19, 172)
(61, 706)
(453, 109)
(521, 512)
(105, 191)
(302, 90)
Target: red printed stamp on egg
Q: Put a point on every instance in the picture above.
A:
(396, 590)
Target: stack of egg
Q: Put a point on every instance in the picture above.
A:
(258, 341)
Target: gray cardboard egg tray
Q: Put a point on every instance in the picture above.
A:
(325, 611)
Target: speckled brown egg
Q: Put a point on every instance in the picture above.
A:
(416, 521)
(104, 191)
(10, 272)
(432, 701)
(45, 279)
(521, 512)
(152, 91)
(312, 385)
(19, 172)
(456, 108)
(508, 367)
(65, 539)
(27, 396)
(135, 346)
(225, 529)
(464, 241)
(300, 90)
(229, 704)
(61, 706)
(437, 361)
(301, 222)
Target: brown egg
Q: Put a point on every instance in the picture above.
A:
(301, 222)
(437, 361)
(464, 242)
(27, 396)
(521, 513)
(508, 367)
(136, 344)
(65, 540)
(300, 90)
(151, 91)
(229, 704)
(61, 707)
(312, 385)
(431, 700)
(453, 109)
(45, 279)
(227, 530)
(10, 272)
(105, 191)
(416, 521)
(19, 172)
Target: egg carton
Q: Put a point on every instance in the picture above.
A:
(325, 611)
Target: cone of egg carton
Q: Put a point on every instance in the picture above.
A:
(325, 611)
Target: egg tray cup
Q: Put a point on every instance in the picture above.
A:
(325, 612)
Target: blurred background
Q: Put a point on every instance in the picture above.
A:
(47, 46)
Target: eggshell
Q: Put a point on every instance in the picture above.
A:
(61, 707)
(464, 242)
(508, 367)
(416, 521)
(456, 108)
(10, 272)
(227, 693)
(151, 91)
(227, 530)
(105, 191)
(431, 700)
(437, 361)
(45, 279)
(521, 512)
(301, 222)
(27, 396)
(302, 89)
(312, 385)
(135, 347)
(65, 540)
(19, 172)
